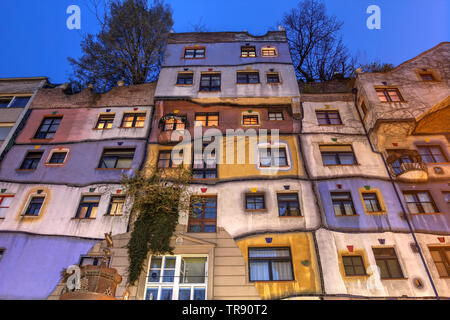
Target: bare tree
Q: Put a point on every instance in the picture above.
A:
(376, 67)
(317, 49)
(129, 45)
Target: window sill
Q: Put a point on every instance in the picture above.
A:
(347, 216)
(183, 85)
(331, 125)
(112, 215)
(341, 165)
(54, 164)
(273, 83)
(101, 169)
(358, 277)
(29, 216)
(271, 281)
(25, 170)
(426, 213)
(247, 83)
(101, 129)
(203, 91)
(291, 216)
(256, 210)
(375, 213)
(382, 279)
(75, 218)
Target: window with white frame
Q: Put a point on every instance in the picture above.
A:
(180, 277)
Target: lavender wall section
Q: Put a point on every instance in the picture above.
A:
(226, 54)
(362, 222)
(32, 264)
(83, 159)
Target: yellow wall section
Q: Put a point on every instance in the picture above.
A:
(306, 277)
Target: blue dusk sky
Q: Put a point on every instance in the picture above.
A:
(36, 42)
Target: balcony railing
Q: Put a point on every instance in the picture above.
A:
(412, 172)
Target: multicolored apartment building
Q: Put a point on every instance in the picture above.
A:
(337, 193)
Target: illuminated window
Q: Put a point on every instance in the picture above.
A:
(269, 52)
(248, 52)
(116, 206)
(194, 53)
(206, 119)
(88, 207)
(105, 121)
(389, 95)
(250, 120)
(133, 120)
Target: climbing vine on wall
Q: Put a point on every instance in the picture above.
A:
(157, 197)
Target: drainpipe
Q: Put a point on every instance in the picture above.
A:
(411, 229)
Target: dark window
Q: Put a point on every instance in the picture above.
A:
(250, 120)
(354, 266)
(328, 117)
(48, 128)
(93, 261)
(446, 195)
(273, 77)
(247, 77)
(288, 205)
(165, 160)
(432, 154)
(185, 78)
(269, 52)
(389, 95)
(254, 202)
(116, 205)
(2, 253)
(4, 101)
(210, 82)
(427, 77)
(397, 164)
(105, 121)
(273, 157)
(117, 158)
(337, 155)
(204, 165)
(419, 202)
(441, 258)
(203, 215)
(270, 264)
(34, 206)
(276, 116)
(133, 120)
(371, 202)
(57, 157)
(88, 207)
(207, 119)
(20, 102)
(387, 261)
(248, 52)
(192, 53)
(342, 204)
(31, 160)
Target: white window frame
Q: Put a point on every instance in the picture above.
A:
(176, 285)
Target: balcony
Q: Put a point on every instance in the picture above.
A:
(411, 172)
(97, 283)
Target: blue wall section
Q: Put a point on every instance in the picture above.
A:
(31, 265)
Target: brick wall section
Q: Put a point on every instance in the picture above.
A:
(19, 86)
(134, 95)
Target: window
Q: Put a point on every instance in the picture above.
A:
(273, 77)
(254, 202)
(31, 160)
(441, 258)
(48, 128)
(206, 119)
(133, 120)
(337, 155)
(4, 131)
(432, 154)
(194, 53)
(397, 164)
(247, 77)
(174, 123)
(250, 120)
(389, 95)
(275, 116)
(328, 117)
(288, 205)
(248, 52)
(273, 157)
(269, 52)
(270, 264)
(2, 253)
(342, 204)
(57, 157)
(117, 158)
(176, 278)
(115, 206)
(88, 207)
(204, 165)
(354, 266)
(34, 206)
(20, 102)
(4, 101)
(203, 215)
(446, 195)
(165, 160)
(210, 82)
(427, 77)
(419, 202)
(5, 202)
(371, 202)
(94, 261)
(105, 121)
(185, 78)
(387, 261)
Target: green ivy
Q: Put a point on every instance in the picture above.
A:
(157, 200)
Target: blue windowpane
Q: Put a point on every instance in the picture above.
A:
(195, 228)
(151, 294)
(199, 294)
(184, 294)
(154, 276)
(166, 294)
(168, 275)
(210, 228)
